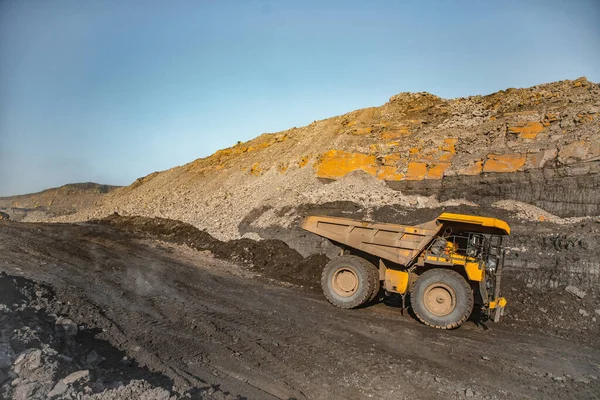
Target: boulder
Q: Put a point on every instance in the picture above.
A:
(575, 291)
(6, 355)
(79, 376)
(67, 326)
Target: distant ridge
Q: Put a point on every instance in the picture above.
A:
(54, 202)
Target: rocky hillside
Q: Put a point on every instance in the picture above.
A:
(537, 147)
(63, 200)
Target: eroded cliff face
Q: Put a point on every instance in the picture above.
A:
(419, 136)
(570, 190)
(539, 145)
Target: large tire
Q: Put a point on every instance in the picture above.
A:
(349, 281)
(442, 298)
(377, 285)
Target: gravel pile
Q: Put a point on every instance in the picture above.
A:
(223, 208)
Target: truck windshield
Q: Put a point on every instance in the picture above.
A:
(470, 244)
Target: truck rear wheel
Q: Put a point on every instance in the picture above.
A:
(350, 281)
(442, 298)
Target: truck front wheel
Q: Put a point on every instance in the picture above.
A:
(441, 298)
(350, 281)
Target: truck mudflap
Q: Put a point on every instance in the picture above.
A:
(496, 308)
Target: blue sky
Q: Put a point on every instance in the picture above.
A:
(108, 91)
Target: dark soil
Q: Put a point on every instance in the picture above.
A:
(272, 258)
(561, 189)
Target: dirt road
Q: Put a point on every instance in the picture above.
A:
(200, 320)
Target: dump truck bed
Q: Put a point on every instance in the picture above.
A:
(394, 242)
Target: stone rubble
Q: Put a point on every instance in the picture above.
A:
(51, 361)
(575, 291)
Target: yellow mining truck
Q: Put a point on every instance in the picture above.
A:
(445, 267)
